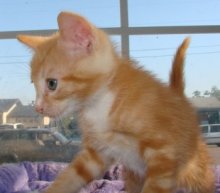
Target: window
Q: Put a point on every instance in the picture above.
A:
(147, 31)
(39, 15)
(155, 53)
(215, 128)
(173, 13)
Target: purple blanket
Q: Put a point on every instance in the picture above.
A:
(28, 176)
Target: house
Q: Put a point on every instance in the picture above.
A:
(208, 109)
(27, 115)
(13, 111)
(6, 107)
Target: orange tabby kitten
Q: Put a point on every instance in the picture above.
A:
(125, 114)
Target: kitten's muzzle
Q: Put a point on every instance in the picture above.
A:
(39, 109)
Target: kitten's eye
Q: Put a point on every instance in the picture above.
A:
(52, 84)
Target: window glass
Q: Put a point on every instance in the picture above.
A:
(15, 73)
(215, 128)
(155, 53)
(41, 14)
(209, 116)
(173, 12)
(60, 140)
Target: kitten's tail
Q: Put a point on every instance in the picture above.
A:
(177, 82)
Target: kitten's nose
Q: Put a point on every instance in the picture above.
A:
(39, 109)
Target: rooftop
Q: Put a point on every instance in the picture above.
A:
(205, 102)
(24, 111)
(6, 104)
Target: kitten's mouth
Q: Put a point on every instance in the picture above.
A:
(56, 115)
(62, 113)
(59, 111)
(50, 114)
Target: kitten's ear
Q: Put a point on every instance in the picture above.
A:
(76, 33)
(31, 41)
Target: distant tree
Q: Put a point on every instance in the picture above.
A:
(196, 93)
(215, 92)
(206, 93)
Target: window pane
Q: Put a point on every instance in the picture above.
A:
(215, 128)
(15, 74)
(155, 53)
(173, 12)
(32, 15)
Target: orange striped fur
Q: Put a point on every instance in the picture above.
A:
(176, 75)
(125, 114)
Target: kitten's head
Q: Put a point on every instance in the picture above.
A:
(69, 66)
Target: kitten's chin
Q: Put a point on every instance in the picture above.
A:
(59, 115)
(69, 109)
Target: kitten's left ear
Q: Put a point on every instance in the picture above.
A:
(31, 41)
(76, 33)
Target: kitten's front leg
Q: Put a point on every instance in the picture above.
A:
(87, 165)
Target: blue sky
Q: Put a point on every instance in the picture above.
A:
(154, 52)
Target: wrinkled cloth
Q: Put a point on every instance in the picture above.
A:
(26, 177)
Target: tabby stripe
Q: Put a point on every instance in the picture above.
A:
(161, 166)
(72, 78)
(154, 144)
(82, 171)
(95, 157)
(88, 165)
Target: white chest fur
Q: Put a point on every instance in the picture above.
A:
(119, 147)
(98, 108)
(127, 154)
